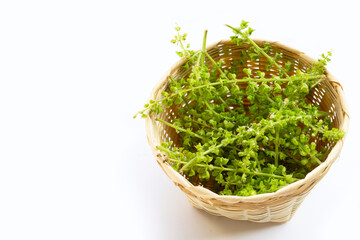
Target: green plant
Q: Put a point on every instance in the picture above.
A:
(239, 149)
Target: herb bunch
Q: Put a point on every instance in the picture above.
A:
(238, 139)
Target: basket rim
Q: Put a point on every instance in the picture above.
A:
(315, 175)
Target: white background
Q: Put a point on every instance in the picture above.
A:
(73, 162)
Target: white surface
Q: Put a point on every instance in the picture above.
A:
(73, 162)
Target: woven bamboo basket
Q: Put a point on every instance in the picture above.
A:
(278, 206)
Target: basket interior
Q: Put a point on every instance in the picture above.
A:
(324, 94)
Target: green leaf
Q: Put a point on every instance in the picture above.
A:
(228, 125)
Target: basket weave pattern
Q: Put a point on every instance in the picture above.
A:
(281, 205)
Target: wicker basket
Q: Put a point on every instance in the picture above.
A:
(281, 205)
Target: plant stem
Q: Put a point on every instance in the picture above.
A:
(164, 149)
(204, 48)
(319, 77)
(205, 125)
(180, 129)
(217, 66)
(318, 81)
(259, 49)
(316, 159)
(185, 101)
(223, 101)
(213, 111)
(187, 54)
(312, 156)
(211, 149)
(270, 59)
(270, 100)
(277, 145)
(202, 52)
(256, 80)
(238, 170)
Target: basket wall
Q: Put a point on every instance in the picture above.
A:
(279, 206)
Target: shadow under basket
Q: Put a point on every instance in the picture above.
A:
(278, 206)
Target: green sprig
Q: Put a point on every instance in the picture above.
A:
(245, 140)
